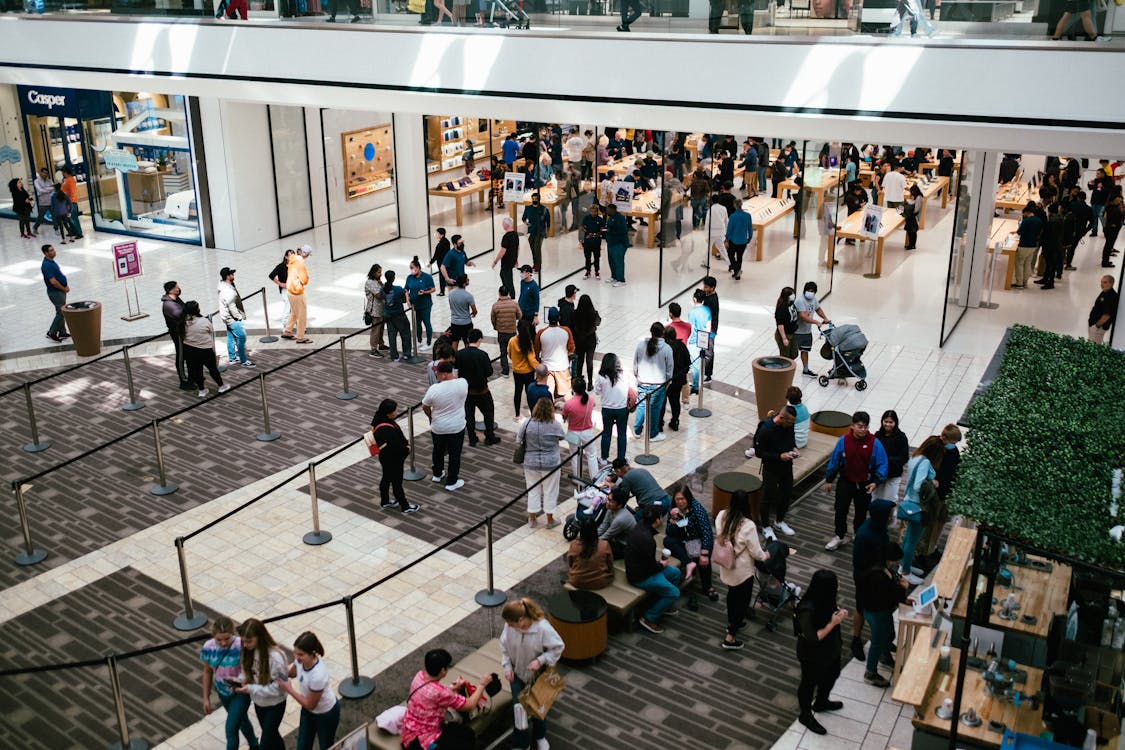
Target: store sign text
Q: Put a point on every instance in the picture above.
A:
(50, 101)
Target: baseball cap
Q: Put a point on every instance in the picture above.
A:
(571, 289)
(553, 315)
(224, 272)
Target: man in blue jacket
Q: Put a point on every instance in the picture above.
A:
(859, 463)
(529, 294)
(740, 230)
(617, 242)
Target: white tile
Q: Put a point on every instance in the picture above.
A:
(840, 726)
(826, 742)
(875, 741)
(885, 717)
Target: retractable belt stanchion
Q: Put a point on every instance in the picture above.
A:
(412, 474)
(315, 537)
(30, 555)
(346, 394)
(415, 358)
(647, 458)
(189, 619)
(165, 487)
(124, 743)
(134, 403)
(699, 410)
(36, 445)
(269, 338)
(356, 686)
(491, 596)
(268, 435)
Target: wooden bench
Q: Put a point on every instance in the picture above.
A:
(814, 455)
(621, 597)
(485, 660)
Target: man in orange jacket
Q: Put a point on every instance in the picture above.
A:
(70, 189)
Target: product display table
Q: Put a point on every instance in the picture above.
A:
(929, 189)
(549, 197)
(890, 223)
(646, 206)
(478, 186)
(580, 619)
(764, 211)
(624, 166)
(727, 483)
(1013, 196)
(1041, 594)
(1002, 232)
(954, 560)
(829, 179)
(694, 142)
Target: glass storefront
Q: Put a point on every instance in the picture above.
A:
(129, 152)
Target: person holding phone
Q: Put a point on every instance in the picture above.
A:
(263, 666)
(222, 666)
(819, 646)
(320, 710)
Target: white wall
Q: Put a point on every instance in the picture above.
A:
(336, 122)
(11, 134)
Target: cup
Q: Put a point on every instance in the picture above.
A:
(665, 554)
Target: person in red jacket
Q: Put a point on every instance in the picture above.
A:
(860, 463)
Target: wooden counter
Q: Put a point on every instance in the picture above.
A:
(478, 186)
(765, 211)
(1040, 594)
(1013, 196)
(548, 197)
(830, 178)
(646, 206)
(624, 166)
(929, 190)
(1002, 232)
(954, 562)
(890, 223)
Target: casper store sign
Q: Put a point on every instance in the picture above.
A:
(44, 100)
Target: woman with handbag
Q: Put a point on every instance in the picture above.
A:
(539, 437)
(578, 414)
(920, 490)
(393, 450)
(373, 309)
(737, 535)
(819, 646)
(429, 699)
(689, 538)
(528, 644)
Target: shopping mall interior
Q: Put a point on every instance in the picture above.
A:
(139, 513)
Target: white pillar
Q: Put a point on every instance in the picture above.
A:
(983, 172)
(1118, 340)
(410, 174)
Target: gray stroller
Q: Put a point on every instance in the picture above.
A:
(844, 345)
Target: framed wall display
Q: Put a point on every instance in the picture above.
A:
(369, 160)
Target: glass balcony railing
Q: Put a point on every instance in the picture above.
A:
(988, 19)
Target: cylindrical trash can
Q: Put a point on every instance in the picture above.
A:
(84, 321)
(772, 377)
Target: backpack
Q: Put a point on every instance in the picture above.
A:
(373, 446)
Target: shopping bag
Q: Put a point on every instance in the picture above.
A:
(538, 697)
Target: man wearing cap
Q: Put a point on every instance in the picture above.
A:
(537, 217)
(475, 368)
(554, 346)
(173, 309)
(233, 315)
(566, 306)
(444, 404)
(529, 294)
(508, 255)
(295, 283)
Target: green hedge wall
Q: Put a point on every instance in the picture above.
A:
(1043, 441)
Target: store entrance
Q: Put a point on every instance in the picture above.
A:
(57, 143)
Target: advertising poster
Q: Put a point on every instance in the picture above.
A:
(513, 186)
(872, 218)
(126, 261)
(623, 195)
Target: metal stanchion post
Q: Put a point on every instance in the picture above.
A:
(990, 274)
(134, 404)
(30, 555)
(411, 474)
(165, 487)
(269, 338)
(356, 687)
(36, 445)
(119, 707)
(268, 435)
(344, 395)
(700, 411)
(189, 619)
(647, 458)
(210, 319)
(415, 358)
(491, 596)
(315, 537)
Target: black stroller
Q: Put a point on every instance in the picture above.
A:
(774, 592)
(844, 345)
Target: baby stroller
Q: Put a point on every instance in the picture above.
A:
(513, 14)
(774, 592)
(844, 345)
(591, 503)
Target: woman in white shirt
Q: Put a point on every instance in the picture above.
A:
(652, 365)
(263, 666)
(717, 220)
(528, 644)
(735, 525)
(612, 389)
(320, 711)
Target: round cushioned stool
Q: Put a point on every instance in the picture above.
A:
(727, 483)
(834, 423)
(580, 619)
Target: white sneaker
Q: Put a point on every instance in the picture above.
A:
(659, 436)
(769, 534)
(784, 528)
(456, 485)
(542, 744)
(749, 452)
(437, 478)
(836, 541)
(910, 578)
(224, 387)
(202, 394)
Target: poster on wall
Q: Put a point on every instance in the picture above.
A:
(369, 160)
(623, 195)
(513, 186)
(872, 218)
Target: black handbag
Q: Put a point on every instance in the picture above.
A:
(368, 319)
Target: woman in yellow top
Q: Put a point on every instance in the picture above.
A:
(521, 351)
(295, 287)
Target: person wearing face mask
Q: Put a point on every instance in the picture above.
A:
(455, 261)
(808, 308)
(785, 317)
(537, 218)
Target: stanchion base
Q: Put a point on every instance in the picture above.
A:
(267, 339)
(133, 745)
(133, 406)
(39, 447)
(989, 305)
(872, 275)
(413, 476)
(164, 489)
(414, 359)
(346, 395)
(486, 598)
(267, 437)
(360, 688)
(35, 557)
(185, 623)
(316, 538)
(699, 411)
(646, 459)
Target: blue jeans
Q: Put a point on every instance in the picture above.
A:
(665, 503)
(910, 538)
(664, 585)
(236, 339)
(238, 719)
(882, 625)
(537, 729)
(58, 299)
(698, 211)
(658, 393)
(1099, 211)
(269, 718)
(318, 726)
(761, 179)
(617, 262)
(614, 418)
(424, 322)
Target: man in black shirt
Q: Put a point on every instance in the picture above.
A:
(475, 367)
(173, 308)
(508, 256)
(566, 306)
(1052, 248)
(1099, 195)
(775, 444)
(593, 229)
(1104, 311)
(644, 571)
(711, 300)
(440, 250)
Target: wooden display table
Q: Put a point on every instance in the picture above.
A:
(1002, 232)
(478, 186)
(1013, 196)
(830, 178)
(954, 561)
(727, 483)
(548, 197)
(1040, 593)
(929, 190)
(646, 206)
(834, 423)
(624, 166)
(890, 223)
(580, 619)
(764, 211)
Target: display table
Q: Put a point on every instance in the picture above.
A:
(955, 559)
(890, 223)
(478, 186)
(646, 206)
(929, 190)
(1002, 232)
(624, 166)
(1041, 594)
(580, 619)
(1013, 196)
(834, 423)
(548, 197)
(727, 483)
(830, 178)
(764, 211)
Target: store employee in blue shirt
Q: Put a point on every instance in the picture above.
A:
(56, 292)
(511, 150)
(740, 229)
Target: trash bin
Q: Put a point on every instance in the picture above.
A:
(84, 321)
(772, 377)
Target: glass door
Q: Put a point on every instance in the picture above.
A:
(961, 252)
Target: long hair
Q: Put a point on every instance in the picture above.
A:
(525, 336)
(522, 607)
(382, 414)
(309, 643)
(656, 334)
(888, 414)
(821, 597)
(783, 298)
(373, 272)
(588, 535)
(611, 368)
(933, 449)
(256, 629)
(584, 316)
(738, 511)
(578, 386)
(544, 410)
